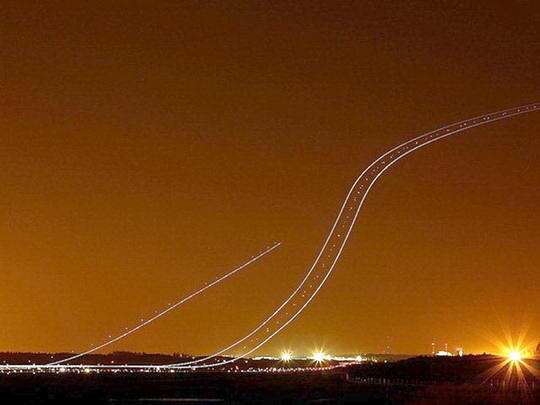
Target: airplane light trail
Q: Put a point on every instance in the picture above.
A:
(170, 308)
(328, 255)
(336, 240)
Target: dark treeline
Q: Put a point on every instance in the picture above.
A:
(118, 357)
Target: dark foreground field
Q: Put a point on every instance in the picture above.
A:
(194, 388)
(470, 380)
(237, 389)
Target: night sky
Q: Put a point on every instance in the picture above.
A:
(150, 146)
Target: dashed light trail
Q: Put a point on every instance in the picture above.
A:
(169, 309)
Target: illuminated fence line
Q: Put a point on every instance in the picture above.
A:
(336, 240)
(170, 308)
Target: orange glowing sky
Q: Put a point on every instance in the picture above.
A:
(149, 146)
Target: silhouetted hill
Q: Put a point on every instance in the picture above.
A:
(467, 369)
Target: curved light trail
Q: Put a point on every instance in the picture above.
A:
(170, 308)
(337, 238)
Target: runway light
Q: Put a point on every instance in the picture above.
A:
(319, 356)
(286, 356)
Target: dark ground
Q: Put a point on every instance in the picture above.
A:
(215, 388)
(221, 388)
(416, 381)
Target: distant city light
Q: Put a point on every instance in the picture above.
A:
(443, 353)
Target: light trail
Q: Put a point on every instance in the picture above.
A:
(332, 248)
(170, 308)
(337, 238)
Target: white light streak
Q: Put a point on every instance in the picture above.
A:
(170, 308)
(330, 252)
(378, 167)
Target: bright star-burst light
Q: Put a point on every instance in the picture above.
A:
(319, 356)
(513, 369)
(514, 355)
(286, 356)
